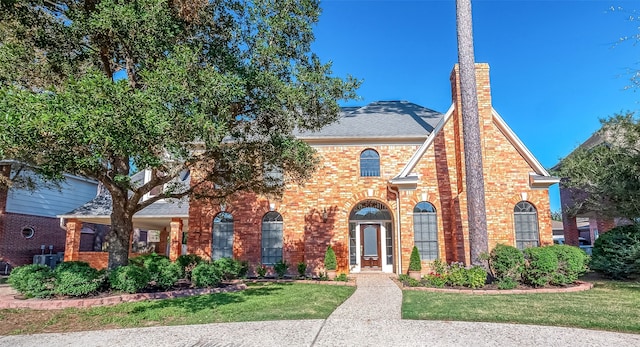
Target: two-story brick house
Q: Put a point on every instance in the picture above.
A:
(391, 177)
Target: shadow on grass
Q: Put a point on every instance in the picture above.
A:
(193, 303)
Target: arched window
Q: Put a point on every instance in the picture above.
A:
(369, 163)
(271, 238)
(525, 218)
(222, 246)
(425, 230)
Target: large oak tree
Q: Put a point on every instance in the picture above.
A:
(101, 88)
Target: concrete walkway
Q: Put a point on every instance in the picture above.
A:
(370, 317)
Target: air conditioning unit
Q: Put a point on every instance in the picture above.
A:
(40, 259)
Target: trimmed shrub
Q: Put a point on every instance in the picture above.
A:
(230, 269)
(33, 281)
(206, 275)
(187, 262)
(476, 277)
(302, 269)
(76, 278)
(506, 262)
(572, 263)
(342, 278)
(281, 268)
(457, 275)
(164, 274)
(129, 278)
(414, 261)
(541, 263)
(330, 261)
(616, 253)
(261, 270)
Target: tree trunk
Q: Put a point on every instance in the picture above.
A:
(478, 241)
(120, 234)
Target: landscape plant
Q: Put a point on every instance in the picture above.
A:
(206, 275)
(302, 269)
(129, 278)
(434, 279)
(572, 263)
(616, 253)
(163, 273)
(281, 267)
(230, 269)
(330, 261)
(33, 280)
(261, 270)
(541, 263)
(188, 262)
(476, 277)
(506, 264)
(76, 278)
(457, 275)
(414, 260)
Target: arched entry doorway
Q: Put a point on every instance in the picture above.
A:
(370, 237)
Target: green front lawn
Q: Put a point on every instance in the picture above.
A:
(610, 305)
(268, 301)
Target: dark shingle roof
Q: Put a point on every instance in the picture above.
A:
(101, 206)
(393, 119)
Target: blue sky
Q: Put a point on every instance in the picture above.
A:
(557, 67)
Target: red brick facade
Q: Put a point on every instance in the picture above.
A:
(337, 187)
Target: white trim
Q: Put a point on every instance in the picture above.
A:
(382, 232)
(427, 143)
(520, 147)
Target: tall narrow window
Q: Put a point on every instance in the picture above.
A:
(369, 163)
(271, 238)
(222, 236)
(425, 230)
(525, 218)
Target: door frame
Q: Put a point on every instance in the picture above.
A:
(384, 267)
(363, 258)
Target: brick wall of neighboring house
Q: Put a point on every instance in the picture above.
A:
(17, 250)
(338, 187)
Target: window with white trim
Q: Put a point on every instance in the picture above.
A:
(525, 219)
(425, 230)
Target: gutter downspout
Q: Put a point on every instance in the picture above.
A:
(399, 240)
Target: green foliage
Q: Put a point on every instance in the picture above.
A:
(188, 262)
(32, 281)
(302, 269)
(281, 268)
(572, 263)
(440, 267)
(231, 269)
(506, 262)
(77, 278)
(342, 277)
(330, 261)
(435, 280)
(616, 253)
(603, 177)
(261, 270)
(414, 261)
(414, 283)
(457, 275)
(403, 278)
(206, 275)
(541, 264)
(162, 271)
(476, 277)
(506, 283)
(129, 278)
(202, 72)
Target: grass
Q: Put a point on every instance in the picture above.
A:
(610, 305)
(264, 301)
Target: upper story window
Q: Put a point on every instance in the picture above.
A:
(369, 163)
(525, 218)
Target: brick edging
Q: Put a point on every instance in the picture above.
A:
(43, 304)
(581, 286)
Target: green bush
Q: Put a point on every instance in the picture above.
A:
(206, 275)
(281, 268)
(342, 277)
(164, 274)
(76, 278)
(414, 283)
(261, 270)
(572, 263)
(435, 280)
(330, 261)
(476, 277)
(414, 261)
(506, 262)
(440, 267)
(187, 262)
(129, 278)
(507, 283)
(457, 275)
(616, 253)
(231, 269)
(33, 281)
(302, 269)
(541, 263)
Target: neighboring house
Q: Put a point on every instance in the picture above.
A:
(391, 176)
(157, 228)
(28, 223)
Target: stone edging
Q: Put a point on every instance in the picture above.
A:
(44, 304)
(349, 283)
(581, 286)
